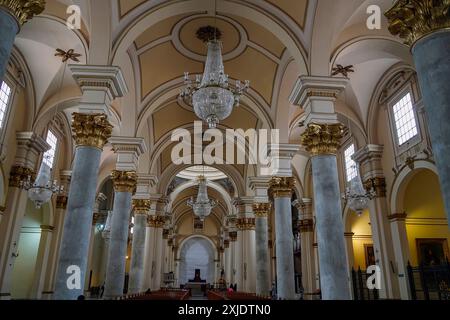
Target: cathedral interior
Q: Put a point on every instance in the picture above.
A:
(340, 110)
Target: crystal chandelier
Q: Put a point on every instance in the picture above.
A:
(212, 95)
(202, 206)
(357, 197)
(43, 188)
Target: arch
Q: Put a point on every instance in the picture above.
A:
(186, 185)
(401, 182)
(205, 262)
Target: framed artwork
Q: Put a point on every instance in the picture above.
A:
(370, 255)
(198, 224)
(432, 252)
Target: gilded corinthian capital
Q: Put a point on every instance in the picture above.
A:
(261, 209)
(321, 139)
(23, 10)
(141, 206)
(124, 181)
(281, 187)
(414, 19)
(91, 130)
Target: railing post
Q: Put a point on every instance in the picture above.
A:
(412, 285)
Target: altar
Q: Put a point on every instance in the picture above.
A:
(196, 285)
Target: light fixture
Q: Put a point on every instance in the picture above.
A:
(202, 206)
(43, 188)
(212, 95)
(356, 196)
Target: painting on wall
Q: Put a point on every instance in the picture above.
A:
(370, 255)
(198, 224)
(432, 252)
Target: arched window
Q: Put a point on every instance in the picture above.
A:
(405, 119)
(5, 99)
(350, 166)
(49, 155)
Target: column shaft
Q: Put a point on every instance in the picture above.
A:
(115, 270)
(284, 249)
(263, 286)
(308, 264)
(432, 63)
(137, 254)
(149, 248)
(9, 27)
(262, 258)
(330, 229)
(333, 265)
(78, 222)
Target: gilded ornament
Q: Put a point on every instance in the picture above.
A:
(124, 181)
(261, 210)
(23, 10)
(281, 187)
(91, 130)
(322, 139)
(412, 20)
(141, 206)
(19, 174)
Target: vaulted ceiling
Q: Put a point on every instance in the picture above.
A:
(269, 42)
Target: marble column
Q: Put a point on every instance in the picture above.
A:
(323, 142)
(281, 189)
(233, 239)
(227, 262)
(91, 132)
(124, 187)
(89, 271)
(60, 212)
(88, 275)
(12, 16)
(261, 209)
(29, 148)
(425, 26)
(141, 208)
(245, 224)
(157, 257)
(263, 286)
(149, 250)
(321, 138)
(306, 228)
(369, 158)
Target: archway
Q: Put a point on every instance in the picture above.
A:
(197, 253)
(426, 222)
(32, 252)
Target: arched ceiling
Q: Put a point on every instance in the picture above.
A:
(269, 42)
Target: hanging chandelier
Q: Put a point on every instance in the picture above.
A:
(357, 197)
(41, 191)
(212, 95)
(202, 206)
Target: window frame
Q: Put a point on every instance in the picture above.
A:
(9, 106)
(58, 140)
(346, 146)
(401, 148)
